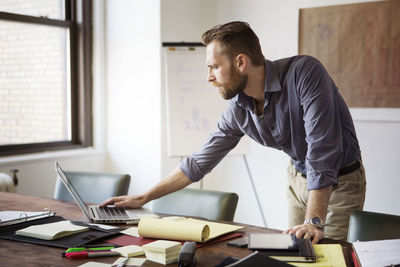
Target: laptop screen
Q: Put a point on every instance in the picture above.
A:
(72, 189)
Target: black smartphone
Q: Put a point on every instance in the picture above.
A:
(239, 242)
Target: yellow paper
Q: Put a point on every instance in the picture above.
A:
(132, 231)
(216, 229)
(328, 255)
(186, 229)
(175, 230)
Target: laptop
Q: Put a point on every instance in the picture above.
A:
(108, 214)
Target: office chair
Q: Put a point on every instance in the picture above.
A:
(212, 205)
(366, 226)
(93, 187)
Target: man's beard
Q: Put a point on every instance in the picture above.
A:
(236, 85)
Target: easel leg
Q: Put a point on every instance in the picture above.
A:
(255, 191)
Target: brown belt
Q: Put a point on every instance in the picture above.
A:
(345, 170)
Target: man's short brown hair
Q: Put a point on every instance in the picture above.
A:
(236, 37)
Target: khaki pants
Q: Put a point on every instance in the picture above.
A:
(347, 196)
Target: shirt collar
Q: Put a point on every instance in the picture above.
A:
(272, 85)
(243, 101)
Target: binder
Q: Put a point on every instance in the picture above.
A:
(282, 247)
(80, 239)
(258, 259)
(11, 217)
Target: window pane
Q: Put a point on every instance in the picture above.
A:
(34, 83)
(53, 9)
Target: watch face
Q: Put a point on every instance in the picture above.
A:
(316, 220)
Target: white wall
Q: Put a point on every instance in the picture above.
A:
(133, 91)
(276, 23)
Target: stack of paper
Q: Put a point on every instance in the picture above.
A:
(378, 252)
(162, 251)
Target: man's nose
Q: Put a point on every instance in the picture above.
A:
(210, 77)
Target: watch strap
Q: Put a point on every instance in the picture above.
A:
(315, 221)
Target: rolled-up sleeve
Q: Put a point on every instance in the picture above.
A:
(226, 136)
(322, 125)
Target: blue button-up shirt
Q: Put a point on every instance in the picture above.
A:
(304, 115)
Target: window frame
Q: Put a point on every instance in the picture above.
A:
(78, 19)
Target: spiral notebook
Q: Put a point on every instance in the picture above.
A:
(10, 217)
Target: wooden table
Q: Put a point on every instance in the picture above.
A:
(23, 254)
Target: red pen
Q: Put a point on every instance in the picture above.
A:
(83, 254)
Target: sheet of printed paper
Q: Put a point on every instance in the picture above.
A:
(378, 253)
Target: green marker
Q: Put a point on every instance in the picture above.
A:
(88, 249)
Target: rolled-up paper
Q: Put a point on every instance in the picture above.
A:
(175, 230)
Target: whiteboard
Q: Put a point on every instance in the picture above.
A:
(193, 105)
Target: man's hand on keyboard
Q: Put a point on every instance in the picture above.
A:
(125, 201)
(175, 180)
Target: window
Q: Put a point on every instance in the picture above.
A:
(45, 75)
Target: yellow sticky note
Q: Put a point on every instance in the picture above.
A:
(129, 251)
(131, 261)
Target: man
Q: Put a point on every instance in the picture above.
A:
(290, 104)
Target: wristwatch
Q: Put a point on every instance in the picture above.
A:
(315, 221)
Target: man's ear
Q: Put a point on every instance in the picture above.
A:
(242, 62)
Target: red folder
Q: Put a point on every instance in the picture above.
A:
(355, 259)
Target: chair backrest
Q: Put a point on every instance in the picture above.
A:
(93, 187)
(209, 204)
(366, 226)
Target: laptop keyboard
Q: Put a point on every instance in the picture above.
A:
(111, 212)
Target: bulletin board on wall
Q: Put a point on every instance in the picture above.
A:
(359, 44)
(193, 105)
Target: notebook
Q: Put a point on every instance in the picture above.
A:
(257, 259)
(51, 231)
(283, 247)
(97, 214)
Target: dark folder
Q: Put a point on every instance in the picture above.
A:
(258, 259)
(79, 239)
(282, 247)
